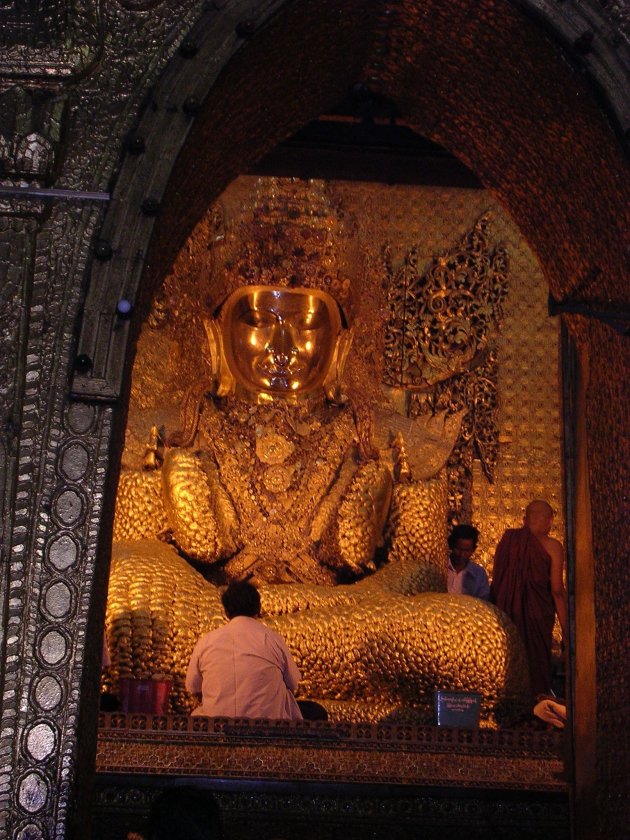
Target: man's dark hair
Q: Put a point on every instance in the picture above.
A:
(184, 813)
(241, 598)
(463, 532)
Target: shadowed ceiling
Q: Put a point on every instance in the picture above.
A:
(476, 77)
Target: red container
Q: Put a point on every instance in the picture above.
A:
(149, 697)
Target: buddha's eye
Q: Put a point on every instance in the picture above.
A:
(308, 321)
(258, 319)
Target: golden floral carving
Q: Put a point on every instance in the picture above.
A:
(439, 346)
(272, 448)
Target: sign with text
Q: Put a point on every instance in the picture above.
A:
(457, 709)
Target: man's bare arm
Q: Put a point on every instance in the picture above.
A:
(558, 591)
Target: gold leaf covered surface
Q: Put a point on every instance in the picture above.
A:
(380, 651)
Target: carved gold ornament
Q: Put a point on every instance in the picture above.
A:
(441, 318)
(439, 346)
(277, 479)
(272, 448)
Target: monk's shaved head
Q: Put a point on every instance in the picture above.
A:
(538, 517)
(539, 504)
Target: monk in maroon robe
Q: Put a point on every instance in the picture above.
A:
(527, 584)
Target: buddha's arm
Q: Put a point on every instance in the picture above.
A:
(417, 531)
(200, 513)
(360, 518)
(140, 513)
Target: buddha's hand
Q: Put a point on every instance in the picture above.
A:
(417, 533)
(361, 518)
(200, 514)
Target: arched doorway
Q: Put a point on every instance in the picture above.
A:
(505, 119)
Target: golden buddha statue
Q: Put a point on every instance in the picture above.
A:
(283, 470)
(335, 506)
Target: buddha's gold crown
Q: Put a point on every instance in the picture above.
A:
(292, 234)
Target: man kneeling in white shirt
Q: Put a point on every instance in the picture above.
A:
(243, 669)
(464, 576)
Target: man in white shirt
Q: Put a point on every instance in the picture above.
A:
(243, 669)
(464, 576)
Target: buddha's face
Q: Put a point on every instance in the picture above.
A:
(279, 341)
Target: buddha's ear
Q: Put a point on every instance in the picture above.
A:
(334, 382)
(223, 381)
(344, 343)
